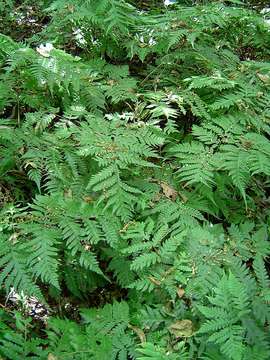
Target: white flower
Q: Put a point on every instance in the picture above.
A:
(15, 297)
(94, 41)
(265, 11)
(141, 39)
(126, 116)
(77, 32)
(31, 305)
(109, 116)
(152, 41)
(173, 98)
(50, 64)
(45, 50)
(168, 2)
(79, 36)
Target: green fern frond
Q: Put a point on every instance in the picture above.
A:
(197, 163)
(43, 254)
(236, 162)
(15, 272)
(72, 233)
(261, 273)
(149, 351)
(143, 261)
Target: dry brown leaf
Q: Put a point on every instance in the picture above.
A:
(180, 292)
(68, 193)
(52, 357)
(139, 332)
(154, 281)
(168, 191)
(264, 78)
(181, 328)
(88, 199)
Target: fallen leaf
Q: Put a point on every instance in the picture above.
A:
(88, 199)
(68, 193)
(264, 78)
(168, 191)
(52, 357)
(154, 281)
(139, 332)
(181, 328)
(180, 292)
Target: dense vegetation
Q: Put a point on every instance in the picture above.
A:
(135, 180)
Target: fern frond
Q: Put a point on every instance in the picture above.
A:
(43, 254)
(150, 351)
(15, 272)
(72, 233)
(197, 163)
(236, 162)
(143, 261)
(261, 273)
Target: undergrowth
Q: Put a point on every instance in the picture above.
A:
(134, 191)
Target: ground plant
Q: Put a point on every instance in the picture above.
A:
(134, 180)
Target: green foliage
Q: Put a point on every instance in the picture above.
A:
(135, 177)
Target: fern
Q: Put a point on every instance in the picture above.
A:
(195, 164)
(43, 254)
(134, 162)
(17, 345)
(235, 161)
(225, 326)
(114, 320)
(149, 351)
(15, 270)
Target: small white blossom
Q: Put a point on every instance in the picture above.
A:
(145, 40)
(141, 12)
(20, 19)
(168, 2)
(50, 64)
(79, 36)
(15, 297)
(31, 305)
(152, 41)
(126, 115)
(265, 10)
(109, 116)
(94, 41)
(77, 32)
(45, 50)
(173, 98)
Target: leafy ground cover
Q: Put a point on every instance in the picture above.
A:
(134, 189)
